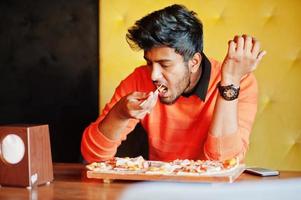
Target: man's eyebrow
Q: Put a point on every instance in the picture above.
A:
(161, 60)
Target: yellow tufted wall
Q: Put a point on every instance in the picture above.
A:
(276, 137)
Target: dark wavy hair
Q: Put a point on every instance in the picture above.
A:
(174, 26)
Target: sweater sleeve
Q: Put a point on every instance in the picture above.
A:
(95, 146)
(236, 144)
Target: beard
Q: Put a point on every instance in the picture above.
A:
(180, 86)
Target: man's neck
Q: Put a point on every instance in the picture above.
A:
(194, 79)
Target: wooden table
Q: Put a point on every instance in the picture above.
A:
(70, 182)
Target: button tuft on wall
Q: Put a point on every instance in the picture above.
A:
(122, 19)
(270, 16)
(220, 17)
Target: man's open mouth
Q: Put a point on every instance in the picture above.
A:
(162, 89)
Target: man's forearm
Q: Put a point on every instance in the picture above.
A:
(225, 116)
(112, 126)
(225, 119)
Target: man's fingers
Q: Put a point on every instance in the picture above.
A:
(141, 115)
(147, 105)
(154, 100)
(147, 99)
(134, 100)
(260, 55)
(147, 102)
(140, 104)
(231, 48)
(248, 43)
(258, 58)
(150, 102)
(255, 48)
(138, 95)
(240, 44)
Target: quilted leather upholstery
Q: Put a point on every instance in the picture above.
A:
(276, 137)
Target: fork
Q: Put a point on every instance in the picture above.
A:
(157, 90)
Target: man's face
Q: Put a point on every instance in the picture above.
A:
(168, 69)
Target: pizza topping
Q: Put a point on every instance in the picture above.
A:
(176, 167)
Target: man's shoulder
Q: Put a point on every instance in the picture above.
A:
(141, 71)
(140, 79)
(215, 63)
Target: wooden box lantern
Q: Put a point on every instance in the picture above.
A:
(25, 155)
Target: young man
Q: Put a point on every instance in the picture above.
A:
(205, 110)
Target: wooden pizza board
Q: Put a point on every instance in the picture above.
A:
(230, 176)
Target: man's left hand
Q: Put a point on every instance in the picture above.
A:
(242, 58)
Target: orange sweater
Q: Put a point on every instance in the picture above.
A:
(179, 130)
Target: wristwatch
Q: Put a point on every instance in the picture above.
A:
(228, 92)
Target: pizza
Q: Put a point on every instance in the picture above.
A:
(178, 167)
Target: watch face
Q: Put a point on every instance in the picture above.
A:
(230, 93)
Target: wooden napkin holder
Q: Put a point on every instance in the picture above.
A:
(25, 155)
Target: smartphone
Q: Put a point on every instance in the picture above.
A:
(261, 171)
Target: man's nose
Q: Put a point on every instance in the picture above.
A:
(156, 72)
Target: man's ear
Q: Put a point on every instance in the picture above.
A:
(195, 62)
